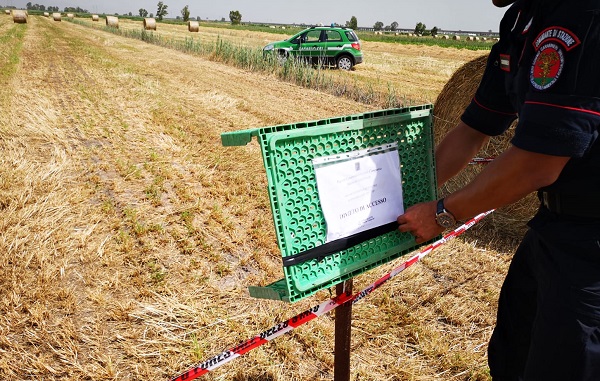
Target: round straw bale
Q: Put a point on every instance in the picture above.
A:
(19, 16)
(46, 14)
(149, 23)
(70, 15)
(112, 21)
(193, 26)
(7, 11)
(449, 106)
(56, 16)
(95, 18)
(456, 37)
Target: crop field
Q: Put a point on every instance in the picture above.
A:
(412, 72)
(129, 234)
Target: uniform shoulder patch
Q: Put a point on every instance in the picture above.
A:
(548, 63)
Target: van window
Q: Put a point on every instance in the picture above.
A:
(333, 36)
(312, 36)
(351, 36)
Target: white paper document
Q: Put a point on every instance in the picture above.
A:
(359, 190)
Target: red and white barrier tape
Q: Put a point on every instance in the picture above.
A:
(316, 311)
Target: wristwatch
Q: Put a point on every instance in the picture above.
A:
(443, 217)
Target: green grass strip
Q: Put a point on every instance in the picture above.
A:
(11, 45)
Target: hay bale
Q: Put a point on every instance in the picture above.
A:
(193, 26)
(57, 16)
(70, 15)
(445, 37)
(149, 23)
(6, 11)
(456, 37)
(449, 106)
(46, 14)
(95, 18)
(112, 21)
(19, 16)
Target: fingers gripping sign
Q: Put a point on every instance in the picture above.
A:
(419, 220)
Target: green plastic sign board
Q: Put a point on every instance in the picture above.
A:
(300, 226)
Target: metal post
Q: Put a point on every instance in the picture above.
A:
(343, 325)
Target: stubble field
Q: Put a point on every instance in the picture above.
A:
(128, 234)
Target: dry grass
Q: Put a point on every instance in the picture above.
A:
(128, 234)
(415, 73)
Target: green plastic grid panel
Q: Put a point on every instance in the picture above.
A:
(299, 222)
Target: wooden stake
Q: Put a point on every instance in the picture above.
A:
(343, 325)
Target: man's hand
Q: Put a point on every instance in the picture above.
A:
(419, 220)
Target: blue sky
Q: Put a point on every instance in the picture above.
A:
(466, 15)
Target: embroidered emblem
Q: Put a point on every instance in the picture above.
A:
(549, 60)
(547, 66)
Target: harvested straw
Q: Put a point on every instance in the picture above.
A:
(70, 15)
(193, 26)
(19, 16)
(449, 105)
(46, 14)
(57, 16)
(149, 23)
(112, 21)
(7, 11)
(456, 37)
(95, 18)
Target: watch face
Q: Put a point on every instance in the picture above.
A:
(445, 220)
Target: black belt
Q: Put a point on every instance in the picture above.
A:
(583, 206)
(338, 245)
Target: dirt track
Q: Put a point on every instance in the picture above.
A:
(129, 234)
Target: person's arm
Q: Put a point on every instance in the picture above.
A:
(511, 176)
(456, 150)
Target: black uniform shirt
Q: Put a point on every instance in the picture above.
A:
(546, 70)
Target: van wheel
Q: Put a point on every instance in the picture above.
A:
(344, 63)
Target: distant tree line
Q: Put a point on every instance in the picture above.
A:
(41, 7)
(420, 28)
(234, 16)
